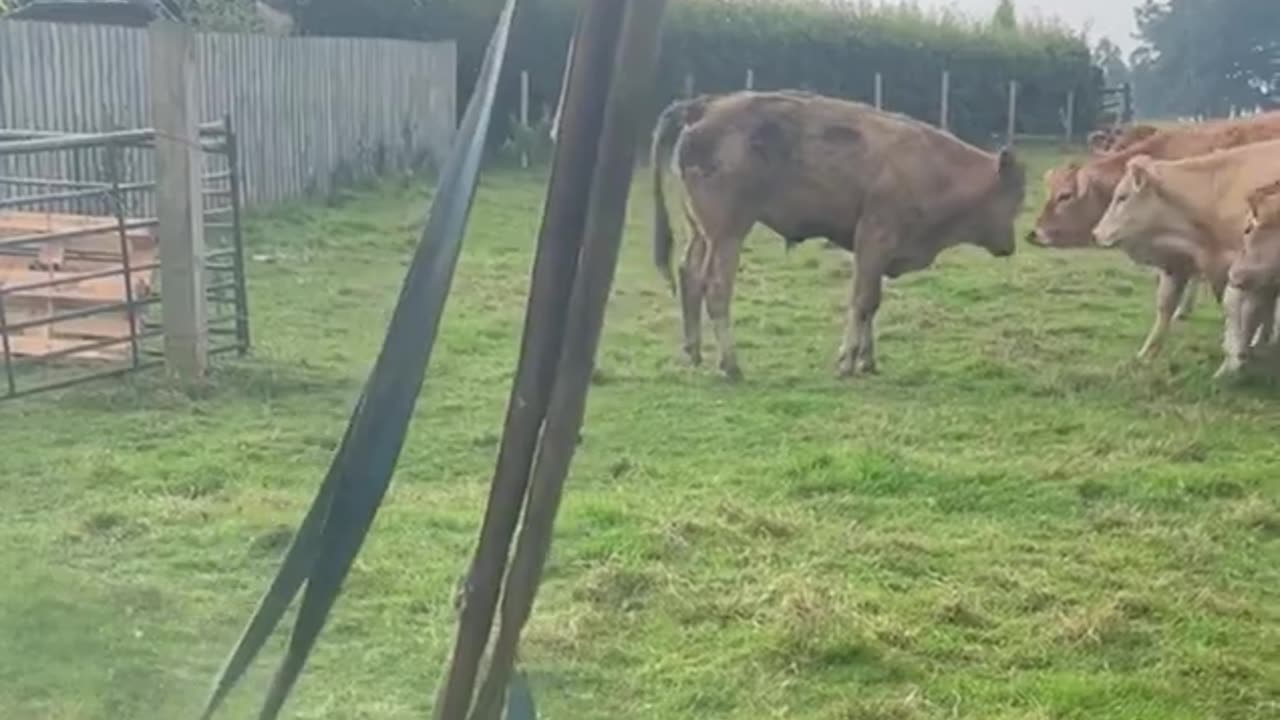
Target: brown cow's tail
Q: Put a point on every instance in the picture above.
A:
(665, 133)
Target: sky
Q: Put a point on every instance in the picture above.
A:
(1109, 18)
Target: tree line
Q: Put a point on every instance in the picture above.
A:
(1200, 57)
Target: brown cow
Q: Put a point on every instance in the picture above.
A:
(1259, 261)
(1254, 278)
(1119, 137)
(894, 191)
(1078, 194)
(1185, 217)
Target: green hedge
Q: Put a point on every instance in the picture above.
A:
(830, 48)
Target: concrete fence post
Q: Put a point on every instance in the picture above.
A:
(175, 111)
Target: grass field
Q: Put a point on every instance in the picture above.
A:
(1013, 520)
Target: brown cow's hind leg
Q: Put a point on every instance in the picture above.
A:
(719, 288)
(692, 287)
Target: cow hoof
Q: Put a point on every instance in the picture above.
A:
(694, 356)
(1230, 368)
(844, 367)
(849, 367)
(732, 373)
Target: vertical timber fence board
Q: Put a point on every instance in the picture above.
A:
(306, 109)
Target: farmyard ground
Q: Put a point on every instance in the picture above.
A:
(1013, 520)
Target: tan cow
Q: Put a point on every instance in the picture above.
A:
(1254, 278)
(1078, 194)
(1119, 137)
(1185, 217)
(894, 191)
(1259, 261)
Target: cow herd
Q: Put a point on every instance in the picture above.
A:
(1196, 202)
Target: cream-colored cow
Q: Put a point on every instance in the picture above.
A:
(1185, 217)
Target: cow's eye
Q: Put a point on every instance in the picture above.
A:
(1122, 197)
(1063, 197)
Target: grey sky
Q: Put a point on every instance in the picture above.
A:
(1110, 18)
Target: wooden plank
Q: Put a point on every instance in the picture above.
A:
(36, 347)
(94, 291)
(103, 325)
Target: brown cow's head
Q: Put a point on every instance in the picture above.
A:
(1259, 264)
(993, 225)
(1138, 208)
(1076, 200)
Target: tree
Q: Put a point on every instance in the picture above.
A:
(1107, 56)
(1006, 17)
(1206, 56)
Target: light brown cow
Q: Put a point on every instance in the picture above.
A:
(1078, 194)
(894, 191)
(1119, 137)
(1185, 217)
(1259, 261)
(1254, 279)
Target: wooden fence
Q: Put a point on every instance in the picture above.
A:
(311, 113)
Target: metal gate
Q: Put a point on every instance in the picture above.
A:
(79, 257)
(1117, 105)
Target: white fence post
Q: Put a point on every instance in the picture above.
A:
(175, 106)
(944, 113)
(1069, 122)
(688, 85)
(564, 87)
(879, 91)
(1011, 130)
(751, 79)
(524, 113)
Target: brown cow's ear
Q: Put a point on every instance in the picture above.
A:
(1140, 166)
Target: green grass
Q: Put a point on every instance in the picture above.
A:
(1013, 520)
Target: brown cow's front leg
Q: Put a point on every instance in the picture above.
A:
(723, 265)
(1168, 293)
(692, 286)
(1244, 312)
(1262, 317)
(857, 352)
